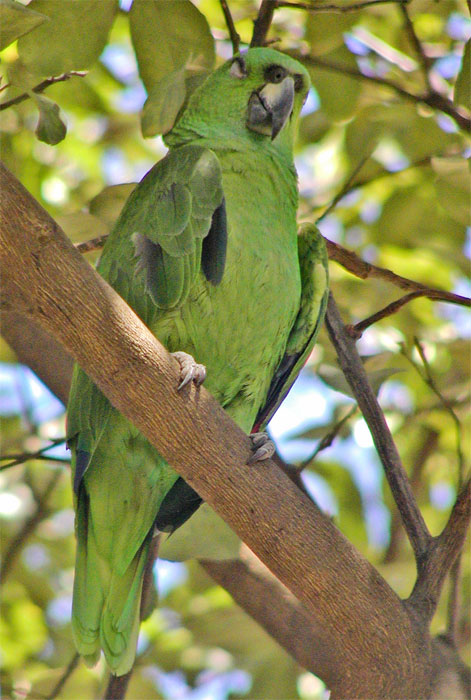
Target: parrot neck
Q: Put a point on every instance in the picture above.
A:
(199, 132)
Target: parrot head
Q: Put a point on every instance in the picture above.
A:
(256, 96)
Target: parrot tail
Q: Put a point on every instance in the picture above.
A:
(106, 606)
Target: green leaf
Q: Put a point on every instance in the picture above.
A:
(168, 35)
(453, 187)
(73, 39)
(16, 20)
(338, 93)
(108, 203)
(324, 31)
(81, 226)
(205, 535)
(50, 129)
(463, 81)
(163, 104)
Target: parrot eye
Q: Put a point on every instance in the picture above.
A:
(238, 68)
(275, 74)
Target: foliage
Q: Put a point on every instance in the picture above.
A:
(398, 159)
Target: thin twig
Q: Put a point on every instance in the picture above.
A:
(263, 22)
(42, 86)
(434, 566)
(345, 188)
(356, 331)
(430, 381)
(40, 512)
(235, 37)
(39, 454)
(337, 8)
(431, 98)
(352, 367)
(416, 43)
(328, 438)
(362, 269)
(92, 244)
(72, 665)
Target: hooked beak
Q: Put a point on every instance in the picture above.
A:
(270, 107)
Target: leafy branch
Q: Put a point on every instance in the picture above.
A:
(434, 556)
(431, 97)
(43, 85)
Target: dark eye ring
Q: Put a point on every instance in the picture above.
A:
(298, 82)
(275, 74)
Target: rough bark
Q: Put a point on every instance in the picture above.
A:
(376, 646)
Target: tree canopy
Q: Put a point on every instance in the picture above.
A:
(88, 87)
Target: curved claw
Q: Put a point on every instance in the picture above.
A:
(190, 371)
(264, 448)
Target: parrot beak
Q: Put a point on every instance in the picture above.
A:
(270, 107)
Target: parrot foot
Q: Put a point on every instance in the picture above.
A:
(190, 371)
(263, 447)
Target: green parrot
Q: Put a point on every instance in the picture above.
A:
(206, 251)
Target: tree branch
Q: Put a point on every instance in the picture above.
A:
(41, 87)
(16, 459)
(441, 556)
(416, 43)
(70, 668)
(431, 98)
(362, 269)
(234, 35)
(354, 7)
(355, 374)
(358, 267)
(262, 23)
(47, 279)
(270, 604)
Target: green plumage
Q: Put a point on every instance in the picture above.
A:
(206, 252)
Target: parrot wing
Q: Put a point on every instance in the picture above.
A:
(314, 279)
(176, 220)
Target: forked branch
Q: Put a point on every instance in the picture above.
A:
(396, 476)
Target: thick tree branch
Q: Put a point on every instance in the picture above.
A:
(47, 279)
(255, 589)
(355, 374)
